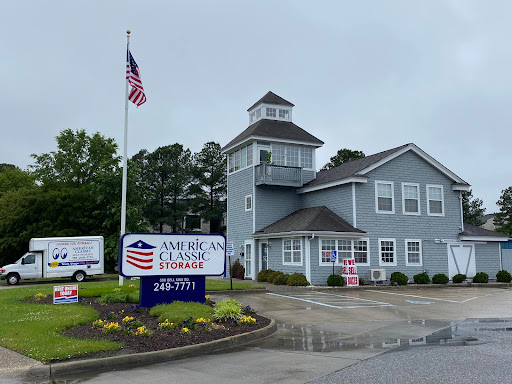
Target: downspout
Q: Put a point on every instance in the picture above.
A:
(461, 213)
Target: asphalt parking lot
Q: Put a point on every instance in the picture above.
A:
(321, 332)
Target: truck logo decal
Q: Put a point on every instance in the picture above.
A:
(140, 255)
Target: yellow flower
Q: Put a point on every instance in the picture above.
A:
(131, 286)
(127, 319)
(185, 330)
(207, 297)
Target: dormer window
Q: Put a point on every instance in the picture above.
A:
(271, 112)
(258, 114)
(284, 114)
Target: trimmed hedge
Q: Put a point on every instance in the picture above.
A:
(274, 275)
(281, 279)
(335, 281)
(440, 278)
(481, 277)
(238, 270)
(459, 278)
(264, 274)
(298, 279)
(503, 277)
(399, 278)
(422, 278)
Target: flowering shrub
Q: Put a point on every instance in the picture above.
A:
(111, 327)
(143, 331)
(247, 320)
(98, 323)
(248, 310)
(127, 319)
(166, 325)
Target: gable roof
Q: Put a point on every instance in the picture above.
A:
(272, 98)
(471, 230)
(359, 167)
(274, 129)
(316, 219)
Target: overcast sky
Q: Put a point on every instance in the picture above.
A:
(364, 75)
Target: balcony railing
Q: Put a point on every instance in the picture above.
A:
(270, 174)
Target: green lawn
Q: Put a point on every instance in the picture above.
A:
(35, 329)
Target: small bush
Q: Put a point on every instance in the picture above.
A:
(335, 281)
(399, 278)
(229, 309)
(361, 281)
(459, 278)
(297, 279)
(281, 279)
(264, 274)
(481, 277)
(274, 275)
(238, 270)
(118, 297)
(422, 278)
(503, 277)
(440, 278)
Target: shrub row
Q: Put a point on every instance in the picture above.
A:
(398, 278)
(280, 278)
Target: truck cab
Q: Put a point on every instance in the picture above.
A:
(29, 266)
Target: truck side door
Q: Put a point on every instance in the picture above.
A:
(29, 267)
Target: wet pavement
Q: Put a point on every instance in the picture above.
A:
(321, 333)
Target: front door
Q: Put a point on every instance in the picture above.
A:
(461, 259)
(248, 260)
(264, 255)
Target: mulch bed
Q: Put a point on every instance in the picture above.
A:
(160, 339)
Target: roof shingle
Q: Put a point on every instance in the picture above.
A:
(274, 129)
(473, 230)
(310, 220)
(272, 98)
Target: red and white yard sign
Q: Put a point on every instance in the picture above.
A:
(349, 272)
(63, 294)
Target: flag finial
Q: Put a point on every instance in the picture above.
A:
(128, 31)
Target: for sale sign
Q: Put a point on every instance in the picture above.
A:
(156, 254)
(63, 294)
(349, 273)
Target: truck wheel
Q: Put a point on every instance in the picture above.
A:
(13, 279)
(79, 276)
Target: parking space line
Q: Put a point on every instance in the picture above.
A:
(361, 305)
(421, 297)
(356, 298)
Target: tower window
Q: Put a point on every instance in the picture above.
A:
(271, 112)
(284, 114)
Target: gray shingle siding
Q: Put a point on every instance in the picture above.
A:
(337, 199)
(409, 168)
(307, 176)
(240, 222)
(274, 203)
(275, 258)
(486, 260)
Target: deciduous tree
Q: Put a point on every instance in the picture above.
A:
(342, 156)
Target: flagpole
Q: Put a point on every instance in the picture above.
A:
(125, 155)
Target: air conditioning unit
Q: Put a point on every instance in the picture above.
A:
(377, 274)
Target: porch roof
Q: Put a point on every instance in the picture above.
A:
(315, 219)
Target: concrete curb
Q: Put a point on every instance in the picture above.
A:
(139, 359)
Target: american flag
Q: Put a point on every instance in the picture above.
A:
(137, 95)
(140, 255)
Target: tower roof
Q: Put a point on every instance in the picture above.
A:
(272, 98)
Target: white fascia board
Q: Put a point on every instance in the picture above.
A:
(461, 187)
(482, 238)
(350, 235)
(270, 139)
(353, 179)
(425, 156)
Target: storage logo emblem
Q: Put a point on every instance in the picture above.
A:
(140, 255)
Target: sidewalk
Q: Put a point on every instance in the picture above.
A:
(15, 364)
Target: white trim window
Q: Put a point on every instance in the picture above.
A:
(413, 252)
(387, 252)
(361, 252)
(271, 112)
(435, 200)
(240, 159)
(384, 197)
(292, 252)
(411, 199)
(248, 203)
(284, 114)
(347, 249)
(306, 157)
(326, 247)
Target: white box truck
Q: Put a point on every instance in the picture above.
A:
(75, 257)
